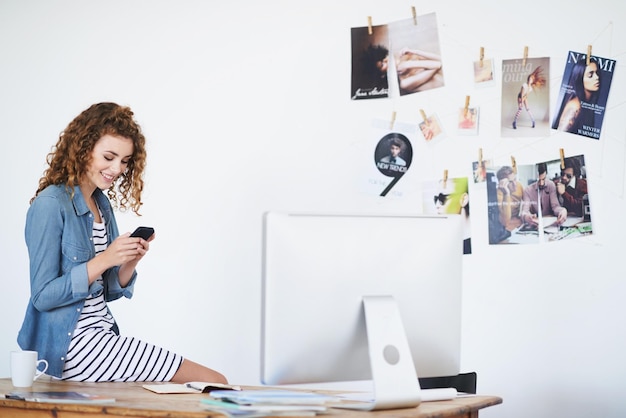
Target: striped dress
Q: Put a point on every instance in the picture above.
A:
(98, 354)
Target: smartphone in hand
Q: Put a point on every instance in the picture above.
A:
(144, 232)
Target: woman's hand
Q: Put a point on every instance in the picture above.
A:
(138, 249)
(125, 251)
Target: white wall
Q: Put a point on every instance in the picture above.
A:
(246, 108)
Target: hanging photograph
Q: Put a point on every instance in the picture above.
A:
(505, 191)
(416, 52)
(370, 63)
(583, 95)
(449, 196)
(479, 168)
(484, 73)
(384, 157)
(467, 118)
(544, 202)
(431, 128)
(525, 97)
(393, 156)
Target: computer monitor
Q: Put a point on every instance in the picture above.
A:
(317, 269)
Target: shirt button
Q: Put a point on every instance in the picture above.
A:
(74, 258)
(69, 334)
(62, 358)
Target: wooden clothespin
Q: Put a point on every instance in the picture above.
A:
(466, 108)
(414, 13)
(480, 157)
(424, 118)
(588, 54)
(562, 159)
(393, 119)
(525, 56)
(445, 178)
(369, 25)
(513, 164)
(482, 56)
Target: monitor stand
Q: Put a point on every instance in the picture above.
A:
(393, 371)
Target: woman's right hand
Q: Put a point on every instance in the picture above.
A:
(123, 250)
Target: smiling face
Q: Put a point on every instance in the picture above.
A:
(109, 158)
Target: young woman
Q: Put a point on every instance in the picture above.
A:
(534, 80)
(577, 106)
(79, 262)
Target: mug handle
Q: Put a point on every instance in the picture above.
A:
(40, 372)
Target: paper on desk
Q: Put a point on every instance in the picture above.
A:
(427, 395)
(272, 397)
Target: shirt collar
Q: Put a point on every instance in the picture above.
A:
(80, 204)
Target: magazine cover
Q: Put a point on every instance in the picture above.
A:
(583, 94)
(525, 97)
(370, 61)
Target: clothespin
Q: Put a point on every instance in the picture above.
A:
(513, 164)
(480, 157)
(393, 119)
(588, 54)
(424, 117)
(466, 108)
(525, 56)
(445, 178)
(414, 13)
(482, 56)
(369, 25)
(562, 159)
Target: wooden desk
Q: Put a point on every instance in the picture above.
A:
(134, 401)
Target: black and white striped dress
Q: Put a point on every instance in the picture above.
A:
(98, 354)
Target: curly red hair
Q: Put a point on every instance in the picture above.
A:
(70, 157)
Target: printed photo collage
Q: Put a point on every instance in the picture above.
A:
(542, 202)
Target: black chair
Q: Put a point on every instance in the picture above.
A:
(464, 382)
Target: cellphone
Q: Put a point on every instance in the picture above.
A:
(144, 232)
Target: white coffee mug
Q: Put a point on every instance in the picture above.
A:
(25, 368)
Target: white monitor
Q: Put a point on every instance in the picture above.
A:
(317, 268)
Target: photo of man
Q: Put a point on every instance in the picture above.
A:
(393, 154)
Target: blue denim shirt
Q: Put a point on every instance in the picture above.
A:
(59, 239)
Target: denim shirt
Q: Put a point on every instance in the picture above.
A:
(59, 239)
